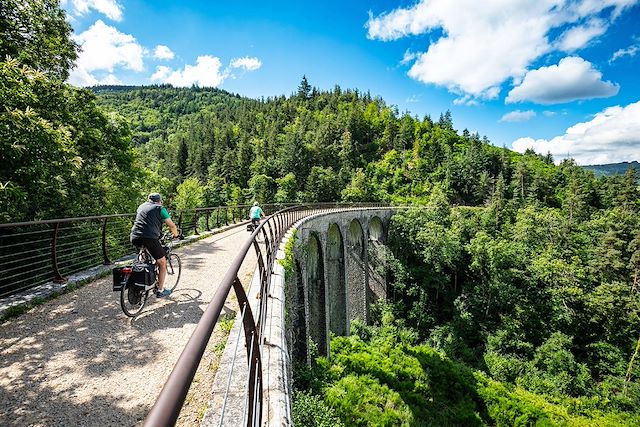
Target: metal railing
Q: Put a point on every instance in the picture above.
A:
(167, 408)
(33, 253)
(37, 252)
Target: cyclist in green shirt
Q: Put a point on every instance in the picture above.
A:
(255, 213)
(147, 231)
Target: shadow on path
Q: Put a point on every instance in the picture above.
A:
(78, 360)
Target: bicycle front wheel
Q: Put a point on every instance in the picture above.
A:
(174, 267)
(132, 299)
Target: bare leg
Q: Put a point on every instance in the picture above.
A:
(162, 272)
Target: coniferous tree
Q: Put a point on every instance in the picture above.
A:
(304, 89)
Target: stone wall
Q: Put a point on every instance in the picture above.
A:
(334, 281)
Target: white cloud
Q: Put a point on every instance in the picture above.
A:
(572, 79)
(630, 51)
(248, 63)
(408, 57)
(475, 53)
(162, 52)
(110, 8)
(613, 135)
(465, 100)
(548, 113)
(413, 99)
(207, 72)
(110, 80)
(103, 49)
(578, 37)
(80, 77)
(162, 72)
(518, 116)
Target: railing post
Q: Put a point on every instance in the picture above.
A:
(180, 221)
(105, 254)
(206, 219)
(195, 222)
(251, 336)
(57, 277)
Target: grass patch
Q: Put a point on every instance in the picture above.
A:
(226, 324)
(287, 262)
(202, 411)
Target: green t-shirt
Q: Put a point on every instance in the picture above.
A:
(164, 214)
(255, 212)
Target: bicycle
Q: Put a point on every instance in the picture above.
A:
(139, 279)
(253, 225)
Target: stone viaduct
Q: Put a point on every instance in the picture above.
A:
(334, 272)
(336, 276)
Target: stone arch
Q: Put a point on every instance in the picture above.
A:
(356, 271)
(316, 293)
(355, 238)
(376, 230)
(376, 262)
(336, 283)
(299, 318)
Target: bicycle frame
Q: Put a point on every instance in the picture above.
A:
(137, 293)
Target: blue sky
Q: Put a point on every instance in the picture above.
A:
(559, 76)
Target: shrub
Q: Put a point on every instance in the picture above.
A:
(310, 411)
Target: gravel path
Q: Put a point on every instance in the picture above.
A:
(78, 360)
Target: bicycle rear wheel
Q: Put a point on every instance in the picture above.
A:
(174, 268)
(132, 299)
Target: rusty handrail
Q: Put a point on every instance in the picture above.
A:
(33, 253)
(167, 407)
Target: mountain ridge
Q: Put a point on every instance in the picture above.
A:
(608, 169)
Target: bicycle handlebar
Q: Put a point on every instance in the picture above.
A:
(168, 236)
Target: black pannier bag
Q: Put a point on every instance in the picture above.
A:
(119, 277)
(143, 275)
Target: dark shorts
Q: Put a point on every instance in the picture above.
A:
(153, 246)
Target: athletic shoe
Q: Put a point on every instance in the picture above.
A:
(163, 294)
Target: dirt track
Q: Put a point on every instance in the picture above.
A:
(78, 360)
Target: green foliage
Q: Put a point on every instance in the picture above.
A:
(262, 188)
(538, 289)
(322, 185)
(190, 194)
(554, 370)
(375, 378)
(37, 35)
(310, 410)
(287, 261)
(513, 406)
(358, 189)
(287, 189)
(64, 156)
(363, 401)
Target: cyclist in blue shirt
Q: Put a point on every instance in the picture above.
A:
(147, 231)
(255, 213)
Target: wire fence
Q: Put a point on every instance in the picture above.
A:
(167, 408)
(34, 253)
(38, 252)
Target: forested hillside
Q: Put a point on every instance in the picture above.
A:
(613, 168)
(312, 146)
(317, 146)
(61, 155)
(514, 282)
